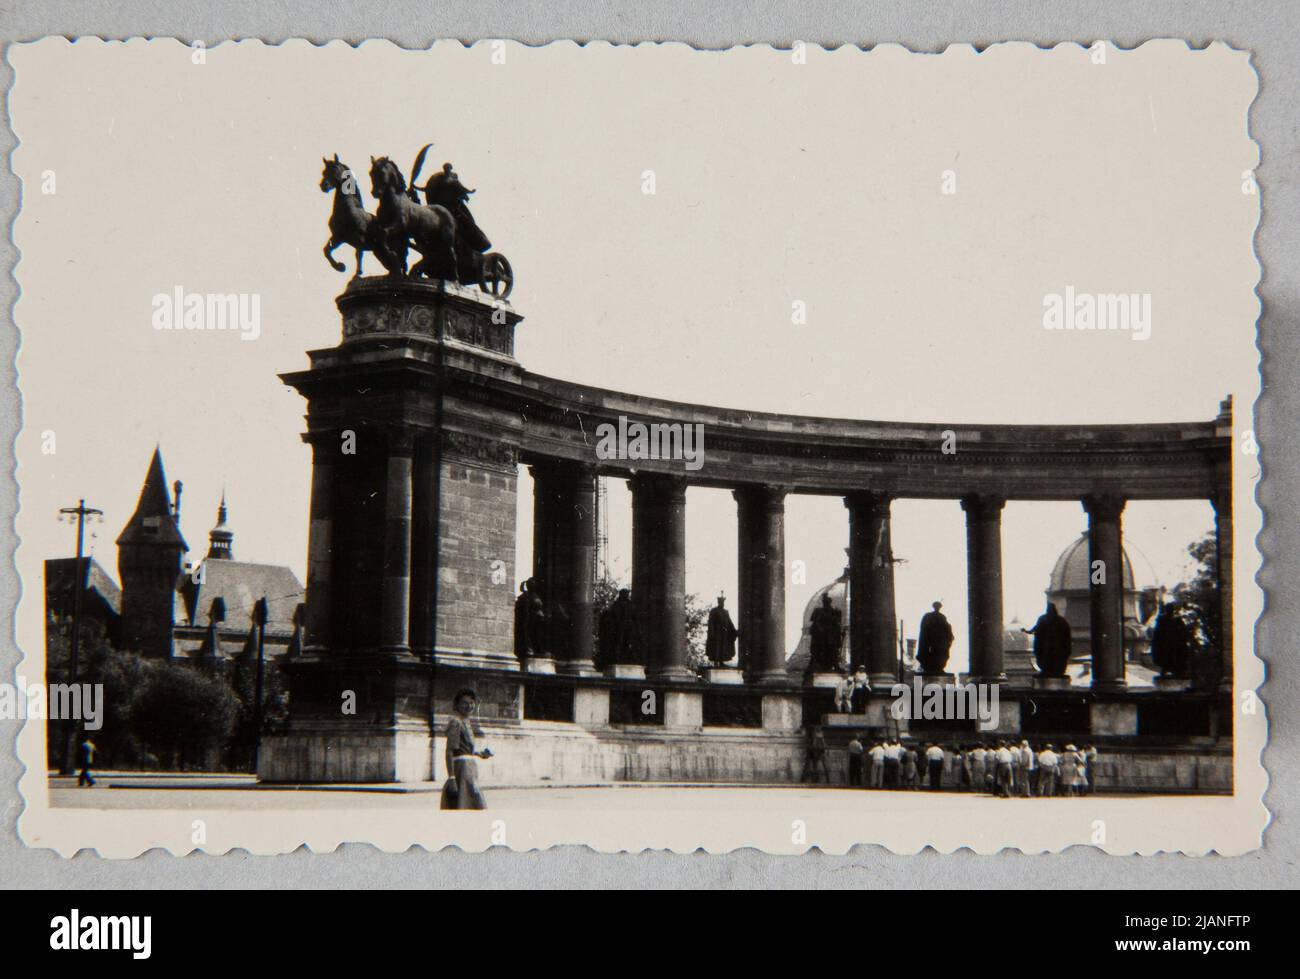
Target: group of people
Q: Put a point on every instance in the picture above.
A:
(1003, 768)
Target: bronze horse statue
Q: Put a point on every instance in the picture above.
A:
(350, 223)
(401, 223)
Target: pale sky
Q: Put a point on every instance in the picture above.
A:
(775, 182)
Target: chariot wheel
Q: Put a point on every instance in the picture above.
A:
(497, 276)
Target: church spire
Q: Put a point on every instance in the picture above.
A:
(221, 539)
(154, 521)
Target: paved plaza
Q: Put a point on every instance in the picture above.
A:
(242, 792)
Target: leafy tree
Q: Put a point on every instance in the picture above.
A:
(121, 676)
(1198, 599)
(697, 630)
(183, 715)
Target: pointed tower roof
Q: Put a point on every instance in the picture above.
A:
(221, 538)
(153, 521)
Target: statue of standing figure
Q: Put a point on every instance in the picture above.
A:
(1051, 642)
(530, 621)
(720, 641)
(1171, 643)
(826, 635)
(934, 641)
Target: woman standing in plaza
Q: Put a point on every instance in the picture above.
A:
(462, 756)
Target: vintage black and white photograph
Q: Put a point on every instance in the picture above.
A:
(637, 446)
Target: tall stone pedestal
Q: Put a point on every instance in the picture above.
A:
(354, 719)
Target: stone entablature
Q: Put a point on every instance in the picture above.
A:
(835, 455)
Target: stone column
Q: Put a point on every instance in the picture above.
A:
(659, 571)
(761, 517)
(545, 509)
(984, 585)
(320, 542)
(748, 615)
(581, 558)
(395, 595)
(872, 620)
(1106, 589)
(1222, 501)
(424, 544)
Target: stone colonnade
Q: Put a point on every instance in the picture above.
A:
(564, 536)
(564, 550)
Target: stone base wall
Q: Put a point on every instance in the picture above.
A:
(346, 757)
(542, 753)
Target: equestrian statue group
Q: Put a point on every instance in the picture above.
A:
(441, 230)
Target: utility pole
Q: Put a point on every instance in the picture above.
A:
(81, 511)
(259, 620)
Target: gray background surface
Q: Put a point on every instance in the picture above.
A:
(1268, 30)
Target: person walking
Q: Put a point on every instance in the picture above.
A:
(86, 757)
(934, 761)
(462, 756)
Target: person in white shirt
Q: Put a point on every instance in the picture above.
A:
(1047, 768)
(844, 695)
(877, 755)
(978, 764)
(1003, 779)
(1026, 773)
(934, 762)
(893, 756)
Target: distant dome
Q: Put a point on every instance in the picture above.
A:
(838, 590)
(1071, 571)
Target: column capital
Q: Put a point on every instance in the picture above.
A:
(401, 440)
(983, 505)
(666, 485)
(770, 496)
(872, 502)
(1103, 506)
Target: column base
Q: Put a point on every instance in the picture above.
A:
(539, 664)
(584, 667)
(772, 678)
(673, 673)
(1114, 686)
(1042, 682)
(882, 681)
(826, 680)
(725, 675)
(625, 671)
